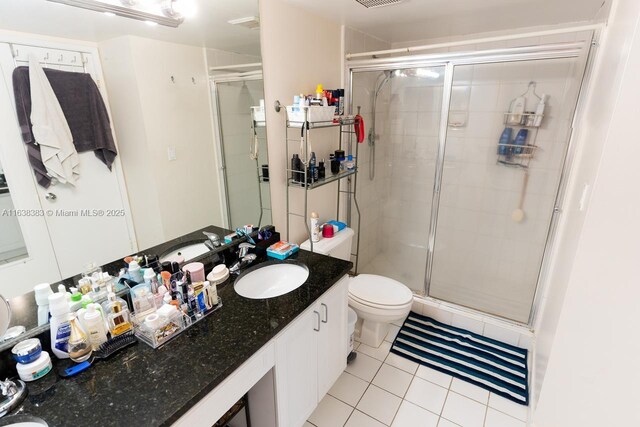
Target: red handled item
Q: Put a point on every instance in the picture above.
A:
(358, 127)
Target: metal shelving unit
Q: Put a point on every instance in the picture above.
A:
(303, 130)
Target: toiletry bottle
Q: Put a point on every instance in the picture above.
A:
(42, 292)
(313, 169)
(350, 164)
(296, 103)
(84, 285)
(520, 141)
(211, 294)
(315, 227)
(60, 327)
(334, 164)
(540, 111)
(517, 110)
(505, 140)
(319, 91)
(321, 170)
(94, 324)
(76, 302)
(135, 272)
(191, 302)
(295, 168)
(150, 279)
(118, 318)
(79, 345)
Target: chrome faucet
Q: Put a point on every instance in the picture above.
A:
(213, 240)
(13, 394)
(244, 257)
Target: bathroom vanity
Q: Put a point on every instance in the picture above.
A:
(285, 351)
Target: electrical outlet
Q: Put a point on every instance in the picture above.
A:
(171, 153)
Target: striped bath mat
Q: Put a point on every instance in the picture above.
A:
(495, 366)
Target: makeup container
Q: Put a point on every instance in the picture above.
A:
(196, 269)
(36, 369)
(27, 351)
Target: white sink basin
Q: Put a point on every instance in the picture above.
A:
(187, 252)
(271, 280)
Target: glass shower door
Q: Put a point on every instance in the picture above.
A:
(247, 194)
(396, 169)
(497, 201)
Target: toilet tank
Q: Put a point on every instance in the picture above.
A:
(338, 246)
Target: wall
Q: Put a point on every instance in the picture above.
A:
(590, 380)
(217, 57)
(589, 136)
(151, 114)
(299, 50)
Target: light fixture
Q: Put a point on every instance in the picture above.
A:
(125, 10)
(251, 22)
(179, 8)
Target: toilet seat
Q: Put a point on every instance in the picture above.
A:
(379, 292)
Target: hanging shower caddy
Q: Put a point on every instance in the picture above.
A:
(520, 155)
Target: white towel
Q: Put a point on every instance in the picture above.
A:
(50, 128)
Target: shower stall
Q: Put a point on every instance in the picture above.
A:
(448, 207)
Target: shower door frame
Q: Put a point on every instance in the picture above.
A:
(580, 50)
(219, 137)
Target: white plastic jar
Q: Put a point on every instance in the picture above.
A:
(36, 369)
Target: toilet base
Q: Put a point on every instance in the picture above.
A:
(373, 333)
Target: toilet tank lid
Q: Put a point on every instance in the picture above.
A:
(379, 290)
(327, 244)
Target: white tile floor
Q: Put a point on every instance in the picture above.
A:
(382, 389)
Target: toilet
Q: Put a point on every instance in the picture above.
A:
(377, 300)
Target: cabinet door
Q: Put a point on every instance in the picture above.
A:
(297, 369)
(332, 344)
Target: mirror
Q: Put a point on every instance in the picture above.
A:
(180, 96)
(12, 246)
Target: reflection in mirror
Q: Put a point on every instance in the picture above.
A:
(12, 246)
(169, 129)
(240, 116)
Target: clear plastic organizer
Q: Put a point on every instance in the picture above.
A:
(170, 327)
(317, 113)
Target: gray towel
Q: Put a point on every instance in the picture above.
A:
(83, 107)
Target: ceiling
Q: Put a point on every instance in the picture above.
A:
(423, 19)
(209, 28)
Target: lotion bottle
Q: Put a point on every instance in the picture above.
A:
(95, 327)
(517, 110)
(540, 111)
(60, 327)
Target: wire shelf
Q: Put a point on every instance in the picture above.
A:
(320, 182)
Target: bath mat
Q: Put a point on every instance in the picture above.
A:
(498, 367)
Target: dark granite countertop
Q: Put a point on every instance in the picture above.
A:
(145, 387)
